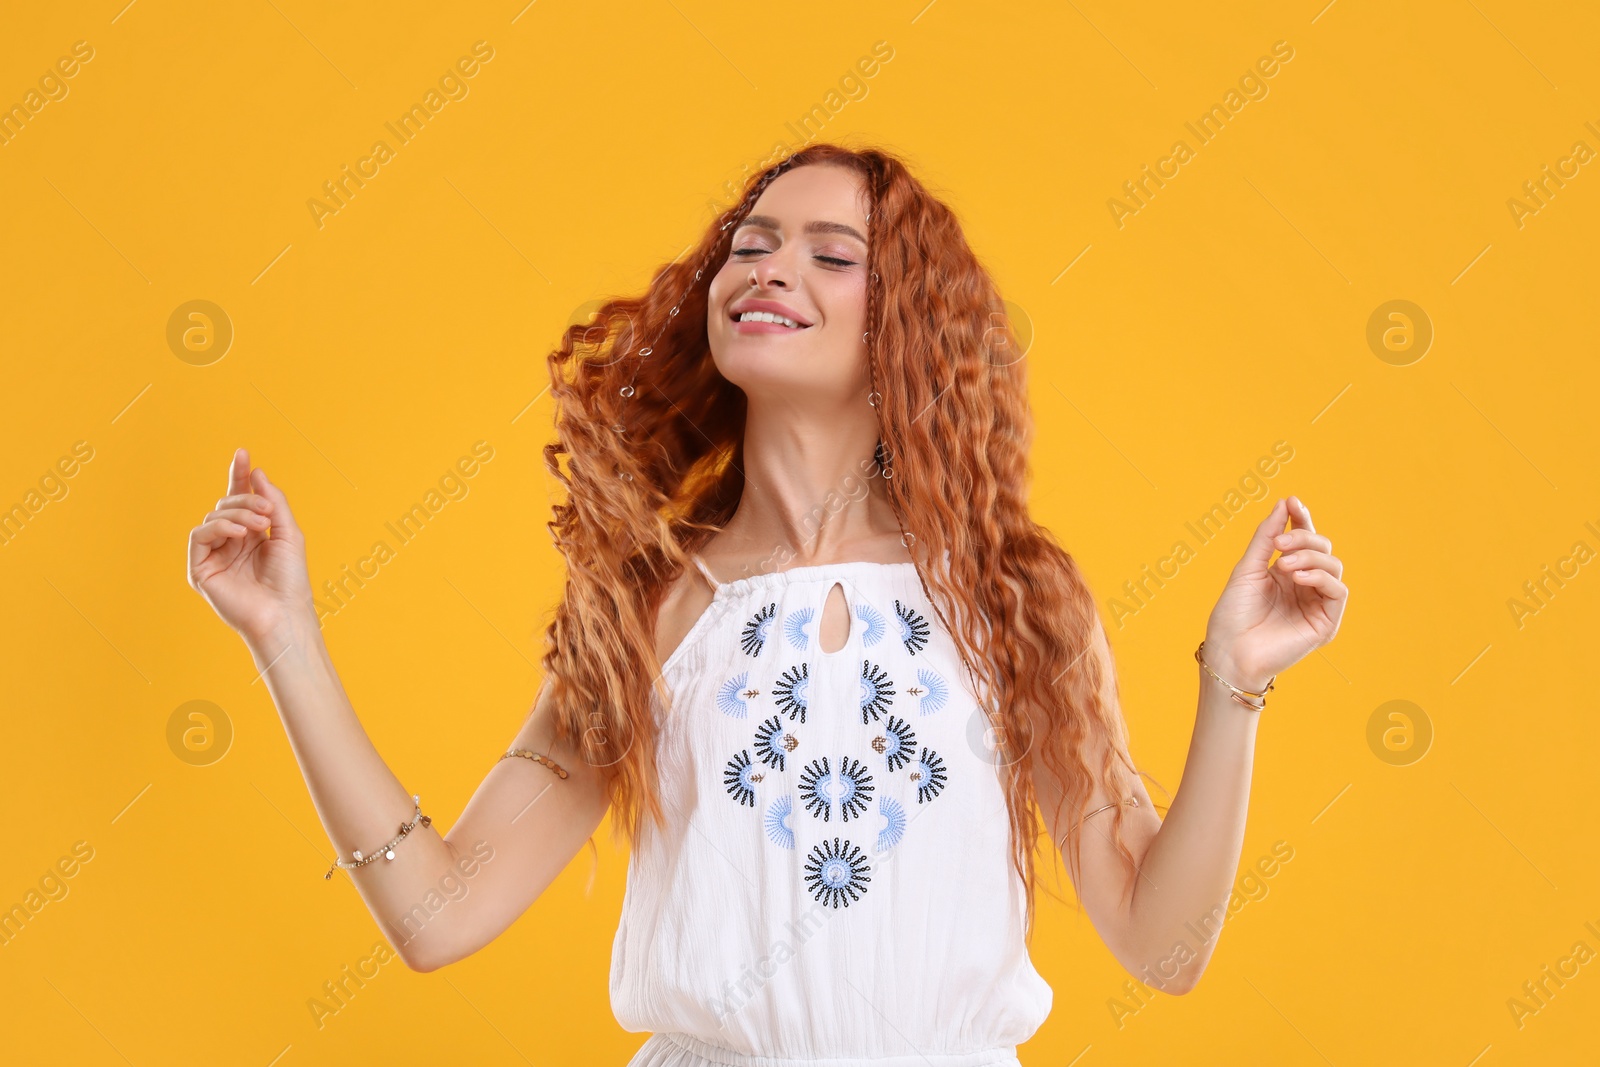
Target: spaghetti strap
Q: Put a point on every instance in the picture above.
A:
(712, 578)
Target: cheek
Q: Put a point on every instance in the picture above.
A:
(846, 300)
(724, 283)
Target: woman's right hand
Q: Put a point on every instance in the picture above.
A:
(247, 558)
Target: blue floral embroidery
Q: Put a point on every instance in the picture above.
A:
(793, 691)
(770, 747)
(914, 628)
(875, 626)
(894, 823)
(934, 691)
(855, 788)
(897, 743)
(755, 631)
(929, 776)
(794, 628)
(877, 691)
(836, 873)
(732, 696)
(778, 828)
(816, 788)
(740, 778)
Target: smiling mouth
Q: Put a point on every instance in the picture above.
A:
(770, 318)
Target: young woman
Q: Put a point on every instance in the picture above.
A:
(813, 656)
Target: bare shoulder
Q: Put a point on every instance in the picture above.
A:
(686, 599)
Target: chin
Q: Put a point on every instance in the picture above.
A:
(773, 375)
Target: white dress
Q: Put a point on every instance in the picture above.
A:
(835, 881)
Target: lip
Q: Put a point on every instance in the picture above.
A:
(741, 306)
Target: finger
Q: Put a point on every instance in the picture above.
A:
(210, 536)
(245, 517)
(1259, 551)
(282, 518)
(1298, 537)
(253, 501)
(1300, 515)
(215, 531)
(1306, 559)
(1323, 582)
(239, 472)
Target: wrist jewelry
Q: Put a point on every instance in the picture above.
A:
(537, 757)
(386, 851)
(1234, 691)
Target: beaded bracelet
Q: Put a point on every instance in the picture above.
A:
(537, 757)
(386, 851)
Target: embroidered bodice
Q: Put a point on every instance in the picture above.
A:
(834, 880)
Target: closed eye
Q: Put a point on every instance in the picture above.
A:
(825, 259)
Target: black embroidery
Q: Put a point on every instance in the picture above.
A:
(914, 628)
(929, 774)
(755, 631)
(816, 784)
(900, 742)
(794, 691)
(837, 873)
(855, 788)
(770, 742)
(877, 691)
(740, 777)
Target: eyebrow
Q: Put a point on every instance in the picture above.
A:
(767, 222)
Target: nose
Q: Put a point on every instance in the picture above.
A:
(769, 272)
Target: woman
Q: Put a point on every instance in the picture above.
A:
(813, 655)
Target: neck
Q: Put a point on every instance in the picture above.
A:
(812, 492)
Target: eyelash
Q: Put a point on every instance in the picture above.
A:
(826, 259)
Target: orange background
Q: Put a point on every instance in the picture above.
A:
(1169, 354)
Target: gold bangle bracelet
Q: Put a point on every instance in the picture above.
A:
(1132, 802)
(1234, 691)
(537, 757)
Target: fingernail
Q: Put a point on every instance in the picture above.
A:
(1281, 540)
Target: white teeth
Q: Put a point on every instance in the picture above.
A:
(767, 316)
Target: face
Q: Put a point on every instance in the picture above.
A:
(800, 253)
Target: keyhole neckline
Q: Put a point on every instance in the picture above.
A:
(849, 619)
(769, 584)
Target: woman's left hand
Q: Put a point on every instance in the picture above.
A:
(1271, 615)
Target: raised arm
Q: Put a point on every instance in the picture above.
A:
(1268, 618)
(520, 829)
(1186, 862)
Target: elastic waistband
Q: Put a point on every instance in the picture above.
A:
(998, 1056)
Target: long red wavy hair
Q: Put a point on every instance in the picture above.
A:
(652, 436)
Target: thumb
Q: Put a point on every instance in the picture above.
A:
(281, 518)
(1258, 553)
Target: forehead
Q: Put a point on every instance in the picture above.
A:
(818, 192)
